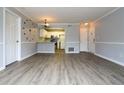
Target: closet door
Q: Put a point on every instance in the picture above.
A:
(11, 38)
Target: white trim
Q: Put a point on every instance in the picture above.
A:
(2, 68)
(28, 42)
(60, 24)
(118, 43)
(45, 52)
(4, 61)
(3, 43)
(19, 39)
(23, 13)
(107, 14)
(11, 12)
(109, 59)
(18, 57)
(27, 56)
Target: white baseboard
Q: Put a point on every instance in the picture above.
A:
(109, 59)
(2, 68)
(45, 52)
(27, 56)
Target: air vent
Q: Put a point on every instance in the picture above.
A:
(71, 49)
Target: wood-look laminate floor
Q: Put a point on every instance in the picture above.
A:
(60, 68)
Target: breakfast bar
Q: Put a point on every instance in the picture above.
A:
(46, 47)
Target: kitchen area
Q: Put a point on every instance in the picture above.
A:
(50, 40)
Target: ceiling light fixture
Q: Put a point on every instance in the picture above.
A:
(45, 23)
(86, 24)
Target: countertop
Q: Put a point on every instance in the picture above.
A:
(45, 42)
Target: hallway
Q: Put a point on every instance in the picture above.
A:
(61, 68)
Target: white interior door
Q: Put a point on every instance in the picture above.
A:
(91, 36)
(83, 38)
(11, 26)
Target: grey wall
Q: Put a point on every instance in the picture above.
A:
(28, 35)
(28, 38)
(72, 38)
(72, 34)
(1, 24)
(1, 55)
(110, 36)
(1, 37)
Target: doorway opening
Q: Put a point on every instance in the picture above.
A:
(12, 37)
(60, 44)
(55, 35)
(87, 37)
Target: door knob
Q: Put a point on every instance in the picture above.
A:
(17, 41)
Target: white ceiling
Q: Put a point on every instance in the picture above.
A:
(64, 14)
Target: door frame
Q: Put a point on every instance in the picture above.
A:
(91, 29)
(18, 57)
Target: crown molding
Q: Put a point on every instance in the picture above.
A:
(107, 14)
(60, 24)
(24, 13)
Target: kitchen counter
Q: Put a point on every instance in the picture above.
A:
(45, 42)
(46, 47)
